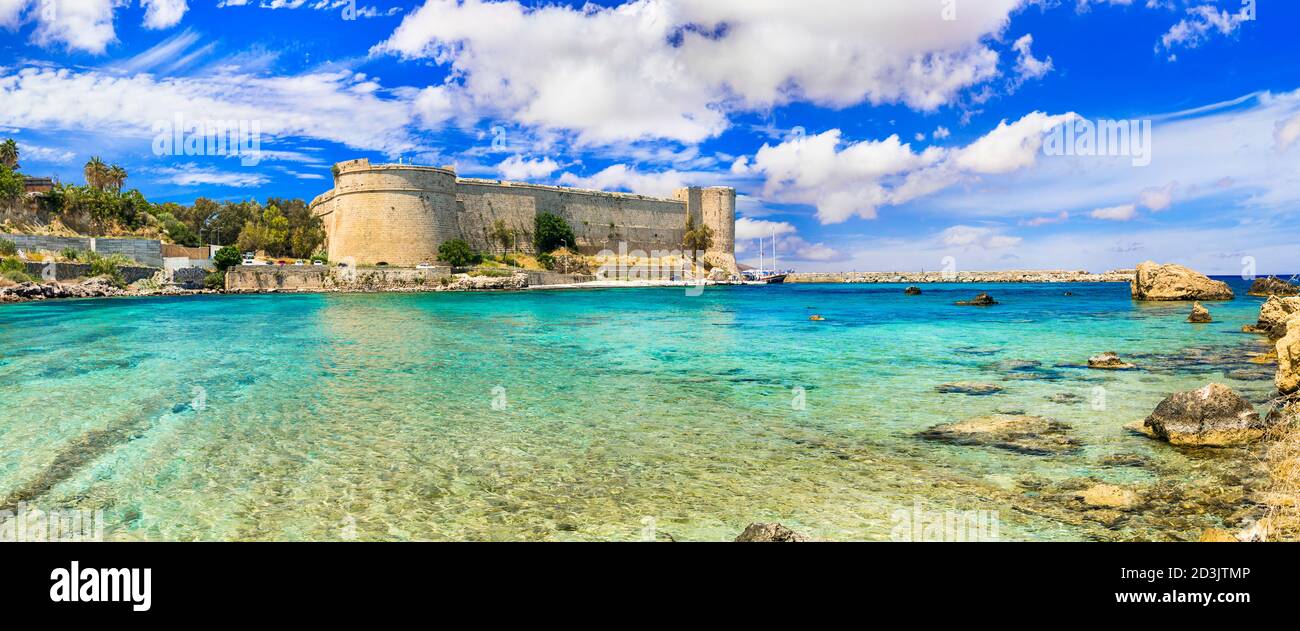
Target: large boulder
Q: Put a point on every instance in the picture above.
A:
(1212, 416)
(1199, 315)
(981, 300)
(769, 533)
(1272, 286)
(1109, 360)
(1034, 435)
(1273, 315)
(1288, 358)
(1175, 282)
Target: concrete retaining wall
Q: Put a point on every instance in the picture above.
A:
(68, 271)
(146, 251)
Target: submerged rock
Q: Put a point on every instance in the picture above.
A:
(1175, 282)
(912, 291)
(969, 387)
(980, 300)
(1065, 398)
(1212, 416)
(1217, 535)
(1034, 435)
(1109, 496)
(1272, 286)
(1109, 360)
(816, 318)
(770, 533)
(1199, 315)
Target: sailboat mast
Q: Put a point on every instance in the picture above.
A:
(774, 271)
(760, 255)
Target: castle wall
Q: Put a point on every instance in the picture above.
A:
(393, 214)
(599, 220)
(400, 214)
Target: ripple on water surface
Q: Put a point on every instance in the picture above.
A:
(598, 414)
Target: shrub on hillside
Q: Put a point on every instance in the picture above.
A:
(546, 260)
(109, 266)
(8, 248)
(551, 233)
(215, 280)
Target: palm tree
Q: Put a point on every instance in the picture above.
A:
(116, 177)
(96, 173)
(9, 154)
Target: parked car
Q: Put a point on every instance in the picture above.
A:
(299, 263)
(314, 263)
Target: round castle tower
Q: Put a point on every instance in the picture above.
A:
(715, 207)
(395, 213)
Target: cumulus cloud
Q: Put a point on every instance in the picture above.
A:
(1027, 66)
(969, 237)
(190, 174)
(748, 229)
(844, 179)
(160, 14)
(517, 167)
(1115, 213)
(333, 106)
(621, 177)
(1203, 21)
(676, 68)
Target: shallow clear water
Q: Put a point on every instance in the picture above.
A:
(333, 416)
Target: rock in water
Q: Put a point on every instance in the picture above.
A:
(1272, 286)
(982, 300)
(1200, 314)
(1034, 435)
(769, 532)
(1288, 358)
(1175, 282)
(1109, 496)
(1109, 360)
(1212, 416)
(912, 291)
(1273, 315)
(968, 387)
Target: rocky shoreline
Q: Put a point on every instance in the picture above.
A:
(1009, 276)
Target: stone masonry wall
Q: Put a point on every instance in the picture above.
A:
(400, 214)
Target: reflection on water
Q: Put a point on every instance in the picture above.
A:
(577, 415)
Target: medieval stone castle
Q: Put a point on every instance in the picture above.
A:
(398, 214)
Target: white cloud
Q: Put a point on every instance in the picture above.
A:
(621, 177)
(160, 14)
(1157, 199)
(676, 68)
(517, 167)
(748, 229)
(1201, 22)
(190, 174)
(1115, 213)
(941, 132)
(1060, 217)
(1286, 132)
(1027, 66)
(856, 178)
(37, 153)
(329, 106)
(972, 237)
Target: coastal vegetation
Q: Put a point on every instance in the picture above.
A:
(458, 253)
(697, 238)
(551, 233)
(103, 206)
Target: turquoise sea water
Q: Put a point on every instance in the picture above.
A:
(584, 415)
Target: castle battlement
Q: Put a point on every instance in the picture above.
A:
(399, 214)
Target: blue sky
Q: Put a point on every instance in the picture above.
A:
(879, 135)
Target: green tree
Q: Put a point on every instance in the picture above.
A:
(9, 154)
(115, 177)
(96, 172)
(457, 253)
(270, 232)
(502, 234)
(697, 238)
(551, 232)
(177, 230)
(11, 184)
(226, 258)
